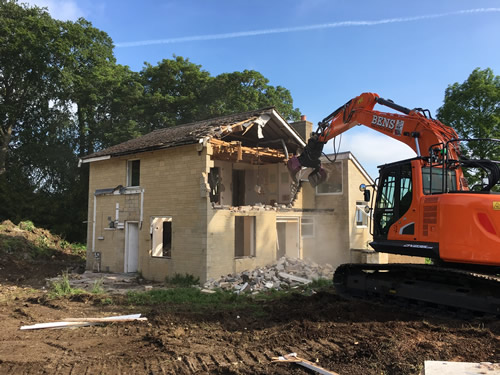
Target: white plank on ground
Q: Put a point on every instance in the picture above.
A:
(460, 368)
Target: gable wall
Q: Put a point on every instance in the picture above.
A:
(173, 186)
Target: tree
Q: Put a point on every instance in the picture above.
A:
(174, 93)
(27, 67)
(177, 92)
(472, 108)
(245, 91)
(87, 66)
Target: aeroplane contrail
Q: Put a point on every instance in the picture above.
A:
(303, 28)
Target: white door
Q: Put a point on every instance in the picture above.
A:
(131, 247)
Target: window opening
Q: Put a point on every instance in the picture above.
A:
(307, 227)
(437, 180)
(244, 236)
(333, 183)
(133, 172)
(161, 233)
(214, 180)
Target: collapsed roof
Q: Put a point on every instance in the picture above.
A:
(259, 128)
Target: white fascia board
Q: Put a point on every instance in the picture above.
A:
(277, 116)
(98, 158)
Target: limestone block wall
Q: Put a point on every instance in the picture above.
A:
(359, 237)
(174, 185)
(103, 175)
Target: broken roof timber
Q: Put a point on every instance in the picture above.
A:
(234, 151)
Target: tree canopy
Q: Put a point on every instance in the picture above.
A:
(62, 96)
(472, 108)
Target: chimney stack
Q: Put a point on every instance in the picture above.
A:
(303, 127)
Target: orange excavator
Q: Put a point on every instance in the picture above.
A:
(423, 207)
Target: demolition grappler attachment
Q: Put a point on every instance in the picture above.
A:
(309, 158)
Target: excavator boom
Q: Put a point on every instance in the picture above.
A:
(414, 127)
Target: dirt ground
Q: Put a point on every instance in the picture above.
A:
(348, 337)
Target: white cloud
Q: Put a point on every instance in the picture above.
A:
(372, 149)
(305, 28)
(64, 10)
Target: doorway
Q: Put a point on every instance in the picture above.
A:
(131, 247)
(288, 237)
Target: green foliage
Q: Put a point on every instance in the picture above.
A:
(79, 249)
(63, 96)
(321, 284)
(97, 287)
(472, 108)
(182, 281)
(27, 225)
(62, 288)
(245, 91)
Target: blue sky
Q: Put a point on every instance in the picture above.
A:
(324, 51)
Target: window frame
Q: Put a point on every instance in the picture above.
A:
(312, 224)
(360, 210)
(341, 179)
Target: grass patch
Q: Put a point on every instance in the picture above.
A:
(97, 287)
(321, 284)
(193, 300)
(180, 296)
(182, 281)
(62, 288)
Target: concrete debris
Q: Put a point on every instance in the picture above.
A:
(287, 273)
(207, 291)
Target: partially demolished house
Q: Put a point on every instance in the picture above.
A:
(213, 197)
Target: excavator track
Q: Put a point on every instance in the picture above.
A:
(435, 286)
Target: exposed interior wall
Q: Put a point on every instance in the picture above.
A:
(267, 184)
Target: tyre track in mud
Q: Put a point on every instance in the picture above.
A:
(346, 337)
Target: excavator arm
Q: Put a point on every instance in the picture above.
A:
(414, 127)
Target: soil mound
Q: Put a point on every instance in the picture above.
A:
(28, 255)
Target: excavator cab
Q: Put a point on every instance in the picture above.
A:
(394, 198)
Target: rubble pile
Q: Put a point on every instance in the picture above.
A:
(286, 273)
